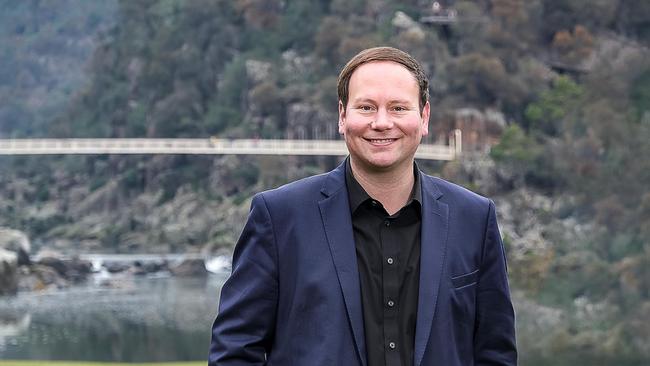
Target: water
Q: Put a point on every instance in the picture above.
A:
(141, 319)
(149, 319)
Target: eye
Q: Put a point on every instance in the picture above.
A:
(399, 108)
(366, 108)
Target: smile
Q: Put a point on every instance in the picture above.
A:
(380, 141)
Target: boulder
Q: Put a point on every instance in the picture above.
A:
(82, 266)
(38, 277)
(73, 269)
(116, 267)
(8, 272)
(190, 267)
(55, 263)
(155, 266)
(17, 242)
(78, 270)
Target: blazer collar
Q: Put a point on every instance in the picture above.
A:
(335, 213)
(435, 228)
(334, 181)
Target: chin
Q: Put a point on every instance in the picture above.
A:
(381, 164)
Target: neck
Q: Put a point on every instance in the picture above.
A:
(390, 187)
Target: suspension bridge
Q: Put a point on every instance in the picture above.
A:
(206, 146)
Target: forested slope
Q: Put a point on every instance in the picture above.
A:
(44, 46)
(569, 78)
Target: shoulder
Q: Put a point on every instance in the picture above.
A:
(299, 190)
(458, 196)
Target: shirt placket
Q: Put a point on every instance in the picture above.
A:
(390, 290)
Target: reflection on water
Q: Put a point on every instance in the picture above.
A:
(141, 319)
(144, 319)
(13, 325)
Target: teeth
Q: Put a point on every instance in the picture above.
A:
(381, 140)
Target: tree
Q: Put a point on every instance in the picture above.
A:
(517, 152)
(547, 114)
(573, 47)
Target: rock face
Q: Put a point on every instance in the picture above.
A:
(8, 270)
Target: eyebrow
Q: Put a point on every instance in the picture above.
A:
(369, 100)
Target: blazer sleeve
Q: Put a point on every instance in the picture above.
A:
(242, 333)
(494, 336)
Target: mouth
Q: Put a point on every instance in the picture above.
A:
(381, 142)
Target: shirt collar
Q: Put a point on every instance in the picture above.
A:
(357, 195)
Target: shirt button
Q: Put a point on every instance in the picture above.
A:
(387, 223)
(390, 303)
(374, 203)
(390, 260)
(391, 345)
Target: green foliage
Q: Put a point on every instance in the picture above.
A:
(520, 154)
(247, 175)
(297, 23)
(624, 244)
(180, 172)
(43, 46)
(111, 235)
(634, 19)
(40, 226)
(225, 109)
(577, 274)
(546, 114)
(640, 95)
(514, 147)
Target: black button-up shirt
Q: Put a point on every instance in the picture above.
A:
(388, 257)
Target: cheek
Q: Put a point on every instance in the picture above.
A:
(353, 125)
(414, 127)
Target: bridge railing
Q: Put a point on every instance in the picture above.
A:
(211, 145)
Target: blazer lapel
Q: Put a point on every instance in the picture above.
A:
(335, 213)
(435, 227)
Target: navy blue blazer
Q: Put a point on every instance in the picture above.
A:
(293, 298)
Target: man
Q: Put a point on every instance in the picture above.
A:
(374, 263)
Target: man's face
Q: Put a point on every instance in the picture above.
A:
(382, 123)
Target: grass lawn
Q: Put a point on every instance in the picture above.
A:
(83, 363)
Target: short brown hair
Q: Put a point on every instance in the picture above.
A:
(383, 54)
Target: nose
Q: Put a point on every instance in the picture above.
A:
(383, 121)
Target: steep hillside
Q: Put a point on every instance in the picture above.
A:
(566, 84)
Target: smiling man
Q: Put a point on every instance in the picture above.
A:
(374, 263)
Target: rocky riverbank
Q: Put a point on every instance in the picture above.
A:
(22, 271)
(61, 272)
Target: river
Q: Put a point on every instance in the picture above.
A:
(135, 319)
(148, 319)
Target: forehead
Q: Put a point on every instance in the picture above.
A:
(385, 75)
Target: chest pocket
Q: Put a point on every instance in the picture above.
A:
(463, 297)
(465, 280)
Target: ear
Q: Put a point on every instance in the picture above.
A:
(426, 111)
(341, 118)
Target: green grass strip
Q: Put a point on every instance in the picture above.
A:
(84, 363)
